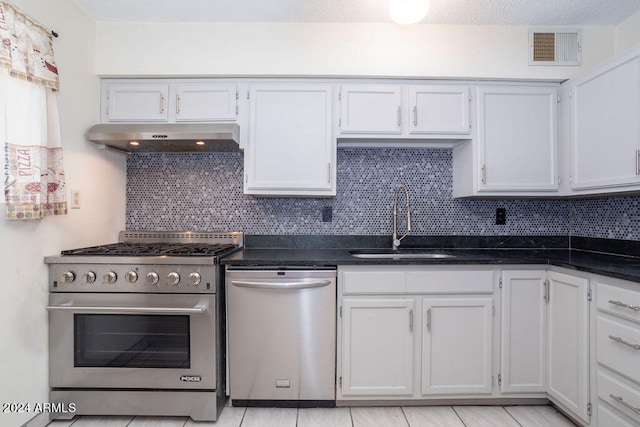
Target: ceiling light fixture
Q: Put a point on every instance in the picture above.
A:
(407, 12)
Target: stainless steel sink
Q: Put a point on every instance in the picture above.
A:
(400, 254)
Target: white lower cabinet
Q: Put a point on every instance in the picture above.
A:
(545, 345)
(413, 332)
(377, 343)
(523, 332)
(568, 343)
(618, 352)
(454, 329)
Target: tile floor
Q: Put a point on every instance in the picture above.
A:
(413, 416)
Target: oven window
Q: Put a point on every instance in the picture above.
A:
(131, 341)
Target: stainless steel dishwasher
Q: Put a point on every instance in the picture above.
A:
(282, 336)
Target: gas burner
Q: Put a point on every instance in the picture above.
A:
(154, 249)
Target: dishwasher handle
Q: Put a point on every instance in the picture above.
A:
(281, 283)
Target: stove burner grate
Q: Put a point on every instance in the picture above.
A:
(154, 249)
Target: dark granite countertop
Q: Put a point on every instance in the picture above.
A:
(516, 252)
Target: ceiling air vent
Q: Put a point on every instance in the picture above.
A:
(555, 47)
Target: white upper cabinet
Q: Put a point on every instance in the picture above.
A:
(291, 149)
(404, 111)
(439, 109)
(515, 152)
(371, 109)
(135, 102)
(605, 146)
(171, 101)
(205, 102)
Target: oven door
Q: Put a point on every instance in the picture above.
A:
(132, 341)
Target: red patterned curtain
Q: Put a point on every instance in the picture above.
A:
(34, 184)
(27, 48)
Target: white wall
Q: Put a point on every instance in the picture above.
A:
(164, 49)
(628, 33)
(101, 178)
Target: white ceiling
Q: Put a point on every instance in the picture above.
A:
(453, 12)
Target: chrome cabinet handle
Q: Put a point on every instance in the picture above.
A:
(621, 400)
(198, 309)
(623, 305)
(399, 116)
(547, 294)
(415, 115)
(281, 284)
(429, 320)
(627, 343)
(411, 320)
(162, 103)
(483, 172)
(637, 162)
(177, 104)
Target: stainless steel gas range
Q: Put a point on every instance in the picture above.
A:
(136, 327)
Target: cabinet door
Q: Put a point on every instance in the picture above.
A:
(291, 148)
(205, 102)
(523, 330)
(606, 128)
(517, 139)
(377, 347)
(374, 109)
(137, 102)
(568, 343)
(457, 346)
(439, 109)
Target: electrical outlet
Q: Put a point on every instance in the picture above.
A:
(501, 216)
(327, 214)
(75, 199)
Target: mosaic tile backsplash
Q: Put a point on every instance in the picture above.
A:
(203, 191)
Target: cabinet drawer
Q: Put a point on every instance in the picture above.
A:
(610, 418)
(618, 347)
(620, 396)
(619, 301)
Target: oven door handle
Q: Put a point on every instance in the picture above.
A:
(198, 309)
(281, 284)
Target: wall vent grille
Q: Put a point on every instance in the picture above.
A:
(555, 47)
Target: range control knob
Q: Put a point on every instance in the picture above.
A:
(89, 277)
(68, 277)
(195, 278)
(110, 277)
(152, 278)
(131, 276)
(173, 278)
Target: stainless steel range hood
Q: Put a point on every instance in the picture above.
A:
(166, 137)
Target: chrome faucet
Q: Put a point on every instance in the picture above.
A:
(396, 241)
